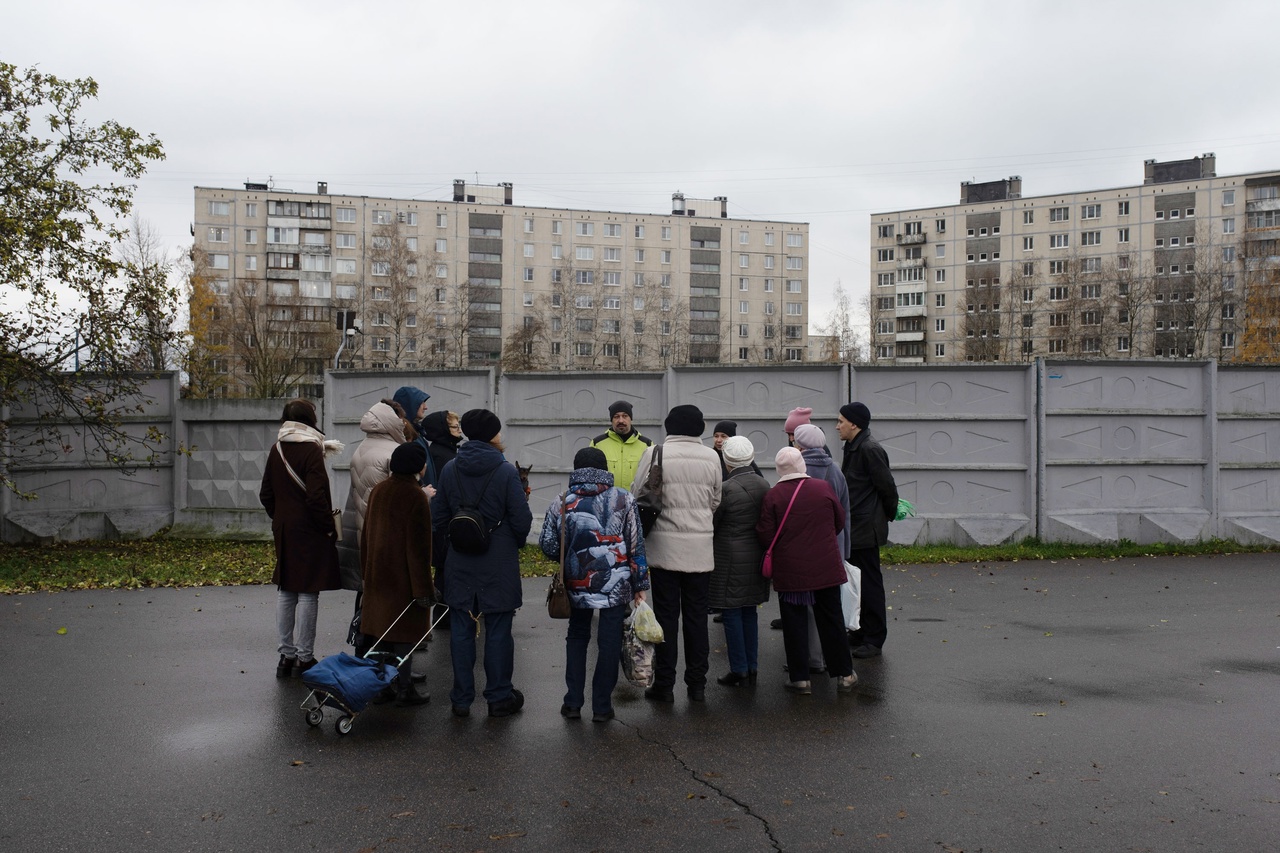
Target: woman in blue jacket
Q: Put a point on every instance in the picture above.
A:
(485, 583)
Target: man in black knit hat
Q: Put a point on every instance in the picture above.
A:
(873, 500)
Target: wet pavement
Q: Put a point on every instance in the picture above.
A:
(1125, 705)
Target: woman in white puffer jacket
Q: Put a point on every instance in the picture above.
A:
(371, 463)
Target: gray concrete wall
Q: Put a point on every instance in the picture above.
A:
(1154, 451)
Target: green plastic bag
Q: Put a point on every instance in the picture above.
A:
(904, 509)
(645, 623)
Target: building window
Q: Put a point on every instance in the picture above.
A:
(1028, 244)
(612, 229)
(219, 235)
(940, 350)
(884, 231)
(1091, 238)
(1057, 293)
(586, 229)
(940, 276)
(1091, 211)
(219, 208)
(744, 307)
(613, 255)
(381, 217)
(884, 255)
(1059, 241)
(1122, 344)
(639, 232)
(795, 263)
(795, 309)
(584, 277)
(794, 354)
(743, 330)
(940, 325)
(884, 279)
(744, 261)
(665, 256)
(666, 232)
(1057, 267)
(1059, 214)
(1228, 254)
(1057, 345)
(1228, 198)
(1090, 265)
(612, 278)
(940, 300)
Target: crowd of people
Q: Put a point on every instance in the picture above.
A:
(438, 515)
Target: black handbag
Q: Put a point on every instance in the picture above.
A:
(649, 504)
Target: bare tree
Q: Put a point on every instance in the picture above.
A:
(276, 342)
(846, 344)
(153, 299)
(391, 327)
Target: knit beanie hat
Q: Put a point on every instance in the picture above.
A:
(796, 417)
(480, 425)
(590, 457)
(809, 436)
(729, 428)
(620, 406)
(790, 464)
(738, 451)
(856, 414)
(408, 458)
(685, 420)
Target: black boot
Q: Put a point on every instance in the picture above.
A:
(406, 693)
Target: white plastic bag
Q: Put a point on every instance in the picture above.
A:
(851, 596)
(646, 623)
(637, 656)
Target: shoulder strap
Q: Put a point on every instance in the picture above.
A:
(784, 517)
(655, 465)
(289, 468)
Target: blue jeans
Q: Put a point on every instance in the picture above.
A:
(499, 656)
(608, 652)
(296, 623)
(741, 638)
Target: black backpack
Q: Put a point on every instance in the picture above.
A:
(468, 530)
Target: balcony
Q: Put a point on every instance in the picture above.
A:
(910, 239)
(909, 359)
(910, 263)
(908, 337)
(909, 311)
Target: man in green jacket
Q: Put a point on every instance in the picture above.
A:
(622, 445)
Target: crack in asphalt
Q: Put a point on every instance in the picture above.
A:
(693, 774)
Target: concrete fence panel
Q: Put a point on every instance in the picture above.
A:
(1248, 445)
(961, 441)
(1127, 451)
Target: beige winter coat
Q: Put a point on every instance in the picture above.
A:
(681, 541)
(371, 463)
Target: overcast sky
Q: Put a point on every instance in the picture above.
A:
(820, 112)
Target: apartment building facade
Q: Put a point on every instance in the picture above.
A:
(477, 280)
(1166, 268)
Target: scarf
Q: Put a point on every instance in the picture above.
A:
(293, 431)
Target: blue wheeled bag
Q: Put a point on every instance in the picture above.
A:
(351, 681)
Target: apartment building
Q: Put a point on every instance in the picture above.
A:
(1177, 266)
(477, 280)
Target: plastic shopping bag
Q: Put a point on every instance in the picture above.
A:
(851, 596)
(646, 624)
(637, 656)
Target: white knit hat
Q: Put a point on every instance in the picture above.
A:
(738, 451)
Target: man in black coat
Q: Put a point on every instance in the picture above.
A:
(873, 500)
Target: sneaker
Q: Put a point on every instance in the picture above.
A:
(507, 707)
(284, 668)
(697, 693)
(866, 650)
(570, 713)
(602, 716)
(844, 683)
(801, 688)
(461, 710)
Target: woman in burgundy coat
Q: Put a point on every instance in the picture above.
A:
(302, 526)
(808, 569)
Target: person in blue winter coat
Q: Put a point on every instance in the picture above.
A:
(486, 584)
(604, 571)
(414, 402)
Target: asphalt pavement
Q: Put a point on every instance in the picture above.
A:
(1125, 705)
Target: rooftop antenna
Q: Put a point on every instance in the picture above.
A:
(271, 181)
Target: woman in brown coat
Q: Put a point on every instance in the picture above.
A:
(395, 557)
(800, 519)
(295, 493)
